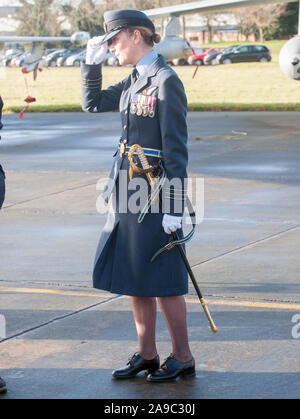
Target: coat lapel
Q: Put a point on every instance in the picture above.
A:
(143, 81)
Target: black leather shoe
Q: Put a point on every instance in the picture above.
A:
(172, 369)
(136, 364)
(2, 386)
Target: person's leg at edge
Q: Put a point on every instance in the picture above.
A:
(144, 312)
(174, 311)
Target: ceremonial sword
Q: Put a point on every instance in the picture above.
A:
(145, 164)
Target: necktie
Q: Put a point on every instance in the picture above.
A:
(134, 76)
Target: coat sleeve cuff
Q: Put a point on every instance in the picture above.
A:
(91, 76)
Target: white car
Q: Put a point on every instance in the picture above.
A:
(111, 59)
(75, 59)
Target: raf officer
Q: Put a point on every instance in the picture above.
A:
(152, 105)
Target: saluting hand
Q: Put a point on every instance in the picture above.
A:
(95, 50)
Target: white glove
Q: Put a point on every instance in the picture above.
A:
(171, 223)
(95, 52)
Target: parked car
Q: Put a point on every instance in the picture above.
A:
(49, 50)
(111, 59)
(211, 58)
(179, 61)
(51, 59)
(13, 47)
(246, 53)
(75, 59)
(17, 60)
(185, 60)
(8, 57)
(198, 59)
(62, 59)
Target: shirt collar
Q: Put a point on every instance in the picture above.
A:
(145, 62)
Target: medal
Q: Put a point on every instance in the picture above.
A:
(152, 107)
(133, 108)
(138, 105)
(139, 110)
(133, 105)
(145, 105)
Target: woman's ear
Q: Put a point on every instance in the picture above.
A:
(137, 37)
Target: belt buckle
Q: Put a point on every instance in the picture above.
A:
(122, 147)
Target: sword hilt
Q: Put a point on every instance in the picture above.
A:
(143, 159)
(145, 165)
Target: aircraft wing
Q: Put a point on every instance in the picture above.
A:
(34, 38)
(206, 6)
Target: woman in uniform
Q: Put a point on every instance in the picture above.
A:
(152, 105)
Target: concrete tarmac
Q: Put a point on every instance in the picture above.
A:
(60, 338)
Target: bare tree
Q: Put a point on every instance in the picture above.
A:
(38, 19)
(141, 5)
(87, 16)
(134, 4)
(259, 17)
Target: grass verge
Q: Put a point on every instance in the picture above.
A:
(235, 87)
(192, 107)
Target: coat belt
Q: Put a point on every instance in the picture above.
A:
(150, 152)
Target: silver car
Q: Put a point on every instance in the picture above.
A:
(75, 59)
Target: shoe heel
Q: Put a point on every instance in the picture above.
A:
(188, 373)
(151, 370)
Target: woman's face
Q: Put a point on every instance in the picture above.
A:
(123, 46)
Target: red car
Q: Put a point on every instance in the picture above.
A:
(198, 59)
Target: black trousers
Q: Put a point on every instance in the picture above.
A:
(2, 186)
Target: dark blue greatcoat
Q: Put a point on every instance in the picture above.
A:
(122, 262)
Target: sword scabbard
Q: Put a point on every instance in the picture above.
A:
(193, 279)
(209, 318)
